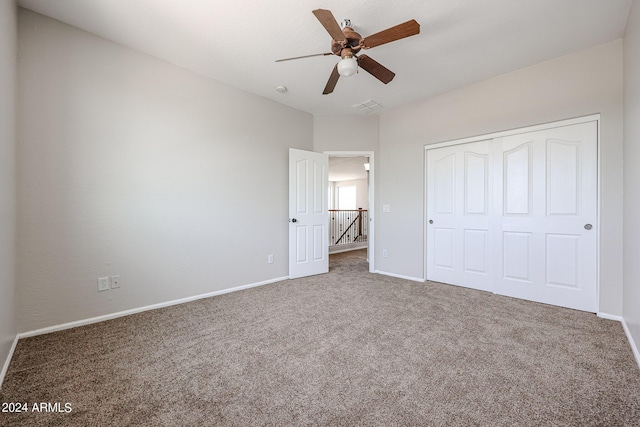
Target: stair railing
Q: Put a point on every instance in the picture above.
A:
(355, 231)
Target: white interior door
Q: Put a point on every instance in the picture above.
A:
(545, 207)
(308, 215)
(458, 203)
(517, 215)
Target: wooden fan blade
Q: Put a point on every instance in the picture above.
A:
(304, 56)
(407, 29)
(330, 24)
(333, 79)
(375, 69)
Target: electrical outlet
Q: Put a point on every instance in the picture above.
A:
(103, 284)
(384, 253)
(115, 282)
(270, 259)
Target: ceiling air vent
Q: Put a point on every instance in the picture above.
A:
(368, 106)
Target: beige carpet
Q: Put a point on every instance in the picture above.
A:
(344, 349)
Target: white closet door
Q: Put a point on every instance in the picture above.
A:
(545, 208)
(458, 203)
(517, 215)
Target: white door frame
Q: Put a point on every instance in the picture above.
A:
(534, 128)
(371, 237)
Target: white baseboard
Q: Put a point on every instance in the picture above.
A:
(399, 276)
(110, 316)
(97, 319)
(5, 367)
(349, 249)
(634, 347)
(610, 317)
(627, 332)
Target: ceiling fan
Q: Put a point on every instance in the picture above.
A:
(346, 43)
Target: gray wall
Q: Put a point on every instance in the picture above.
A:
(632, 173)
(581, 84)
(130, 166)
(8, 35)
(346, 133)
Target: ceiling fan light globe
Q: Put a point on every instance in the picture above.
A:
(347, 66)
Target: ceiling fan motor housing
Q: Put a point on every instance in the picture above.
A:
(352, 43)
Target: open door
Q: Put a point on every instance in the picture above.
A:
(308, 216)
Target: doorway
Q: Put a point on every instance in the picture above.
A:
(308, 211)
(351, 202)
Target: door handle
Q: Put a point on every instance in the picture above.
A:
(430, 221)
(588, 226)
(293, 220)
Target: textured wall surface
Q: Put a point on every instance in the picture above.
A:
(8, 40)
(581, 84)
(632, 173)
(131, 166)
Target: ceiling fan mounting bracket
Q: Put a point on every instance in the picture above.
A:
(346, 23)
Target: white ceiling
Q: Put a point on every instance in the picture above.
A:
(347, 168)
(237, 41)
